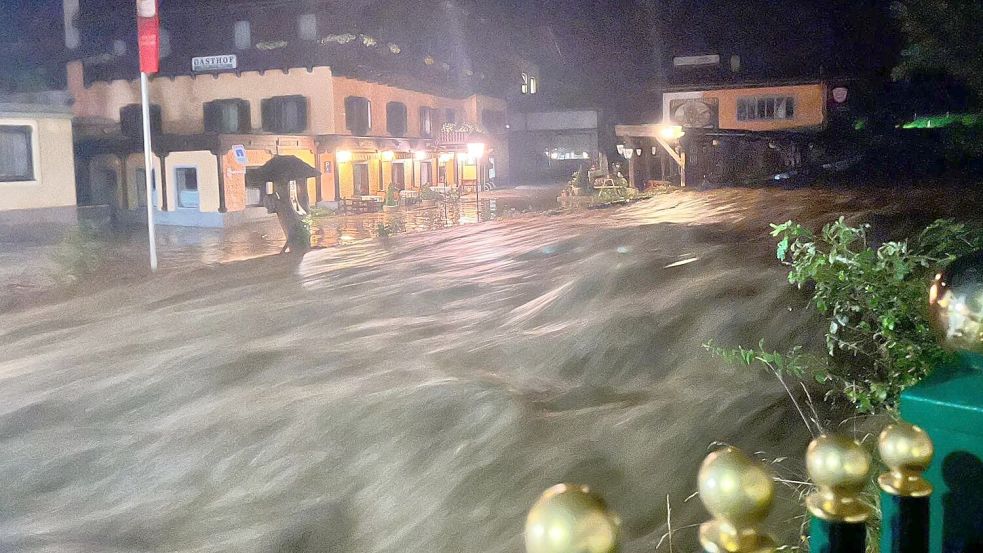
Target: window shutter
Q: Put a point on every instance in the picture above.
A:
(269, 118)
(245, 122)
(212, 115)
(302, 108)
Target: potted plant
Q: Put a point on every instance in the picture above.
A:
(391, 203)
(428, 197)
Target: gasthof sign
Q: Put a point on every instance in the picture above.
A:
(214, 63)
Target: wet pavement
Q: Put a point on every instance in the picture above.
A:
(409, 394)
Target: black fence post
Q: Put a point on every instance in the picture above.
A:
(839, 466)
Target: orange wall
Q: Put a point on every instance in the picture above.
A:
(379, 95)
(182, 98)
(810, 106)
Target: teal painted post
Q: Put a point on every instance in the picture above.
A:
(904, 524)
(948, 405)
(827, 536)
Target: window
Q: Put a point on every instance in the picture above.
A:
(186, 179)
(242, 35)
(532, 85)
(227, 116)
(399, 176)
(16, 154)
(426, 122)
(358, 115)
(141, 185)
(307, 26)
(131, 120)
(396, 118)
(493, 120)
(360, 177)
(285, 114)
(451, 116)
(525, 83)
(165, 43)
(765, 108)
(119, 48)
(426, 173)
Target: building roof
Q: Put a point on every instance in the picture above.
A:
(36, 104)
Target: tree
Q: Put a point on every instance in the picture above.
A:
(943, 35)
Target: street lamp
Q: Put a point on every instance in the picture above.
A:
(420, 155)
(343, 156)
(628, 152)
(476, 150)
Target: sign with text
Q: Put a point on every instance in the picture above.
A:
(239, 151)
(690, 61)
(148, 35)
(214, 63)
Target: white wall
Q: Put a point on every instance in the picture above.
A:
(54, 168)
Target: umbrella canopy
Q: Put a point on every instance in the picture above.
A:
(281, 169)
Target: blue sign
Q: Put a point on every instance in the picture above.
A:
(239, 151)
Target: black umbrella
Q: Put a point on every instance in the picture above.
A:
(281, 169)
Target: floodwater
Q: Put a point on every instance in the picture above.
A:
(409, 394)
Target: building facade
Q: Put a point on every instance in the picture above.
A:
(551, 145)
(367, 112)
(36, 175)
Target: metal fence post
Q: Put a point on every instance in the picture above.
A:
(569, 518)
(738, 492)
(839, 467)
(907, 451)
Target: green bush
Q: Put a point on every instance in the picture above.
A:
(873, 298)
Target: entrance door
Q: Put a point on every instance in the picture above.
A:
(426, 174)
(360, 172)
(104, 187)
(399, 176)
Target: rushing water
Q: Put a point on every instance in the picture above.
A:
(413, 394)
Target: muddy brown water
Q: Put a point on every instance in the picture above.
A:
(409, 394)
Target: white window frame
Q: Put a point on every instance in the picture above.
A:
(177, 186)
(248, 39)
(525, 83)
(35, 150)
(307, 22)
(533, 88)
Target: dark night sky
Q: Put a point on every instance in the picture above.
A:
(610, 43)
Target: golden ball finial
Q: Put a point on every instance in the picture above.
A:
(735, 488)
(907, 451)
(568, 518)
(738, 492)
(839, 467)
(956, 302)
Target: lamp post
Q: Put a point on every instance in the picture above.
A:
(476, 150)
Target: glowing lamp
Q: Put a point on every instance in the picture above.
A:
(628, 152)
(388, 155)
(671, 132)
(420, 155)
(476, 150)
(343, 156)
(444, 158)
(621, 149)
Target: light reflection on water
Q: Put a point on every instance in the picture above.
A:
(413, 394)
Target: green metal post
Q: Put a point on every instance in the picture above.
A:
(949, 406)
(904, 527)
(827, 536)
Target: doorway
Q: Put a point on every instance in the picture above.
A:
(399, 176)
(360, 174)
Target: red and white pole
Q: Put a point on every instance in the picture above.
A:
(148, 39)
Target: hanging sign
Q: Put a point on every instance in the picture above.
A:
(148, 35)
(239, 151)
